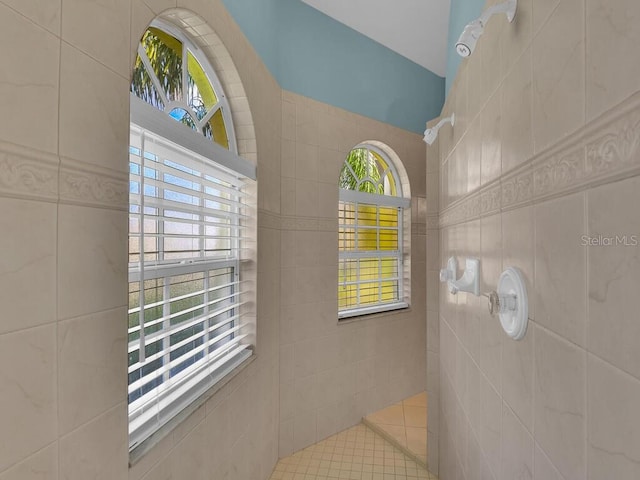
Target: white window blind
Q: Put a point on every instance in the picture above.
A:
(370, 256)
(187, 327)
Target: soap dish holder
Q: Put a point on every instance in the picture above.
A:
(470, 280)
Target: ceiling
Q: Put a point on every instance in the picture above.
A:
(416, 29)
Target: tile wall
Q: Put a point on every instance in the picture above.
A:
(544, 159)
(63, 266)
(332, 375)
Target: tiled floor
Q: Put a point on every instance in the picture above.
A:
(405, 424)
(355, 454)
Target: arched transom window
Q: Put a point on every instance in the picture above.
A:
(187, 326)
(171, 75)
(370, 234)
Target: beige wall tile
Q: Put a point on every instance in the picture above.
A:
(443, 195)
(490, 423)
(94, 111)
(460, 375)
(45, 13)
(475, 90)
(517, 377)
(542, 10)
(517, 97)
(92, 360)
(476, 464)
(433, 332)
(216, 440)
(304, 429)
(328, 204)
(111, 19)
(288, 196)
(285, 442)
(461, 169)
(306, 123)
(34, 55)
(98, 449)
(42, 465)
(327, 421)
(613, 422)
(474, 155)
(451, 189)
(151, 458)
(516, 37)
(159, 5)
(306, 161)
(95, 237)
(560, 404)
(559, 304)
(491, 242)
(612, 39)
(28, 418)
(188, 459)
(558, 75)
(288, 158)
(433, 195)
(462, 119)
(543, 468)
(28, 273)
(306, 200)
(613, 274)
(518, 246)
(491, 140)
(490, 49)
(330, 162)
(517, 448)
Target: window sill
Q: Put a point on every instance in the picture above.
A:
(367, 312)
(136, 454)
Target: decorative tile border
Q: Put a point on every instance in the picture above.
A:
(88, 185)
(35, 175)
(28, 173)
(607, 149)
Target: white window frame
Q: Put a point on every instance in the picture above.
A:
(170, 137)
(362, 198)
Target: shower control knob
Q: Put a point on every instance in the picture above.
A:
(494, 303)
(513, 303)
(501, 303)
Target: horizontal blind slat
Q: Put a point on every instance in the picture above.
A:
(155, 374)
(154, 337)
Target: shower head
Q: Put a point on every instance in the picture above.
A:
(430, 134)
(469, 38)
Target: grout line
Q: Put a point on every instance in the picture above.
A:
(57, 251)
(586, 230)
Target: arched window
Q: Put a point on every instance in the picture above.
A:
(370, 234)
(187, 204)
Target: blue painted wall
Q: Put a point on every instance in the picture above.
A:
(461, 13)
(313, 55)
